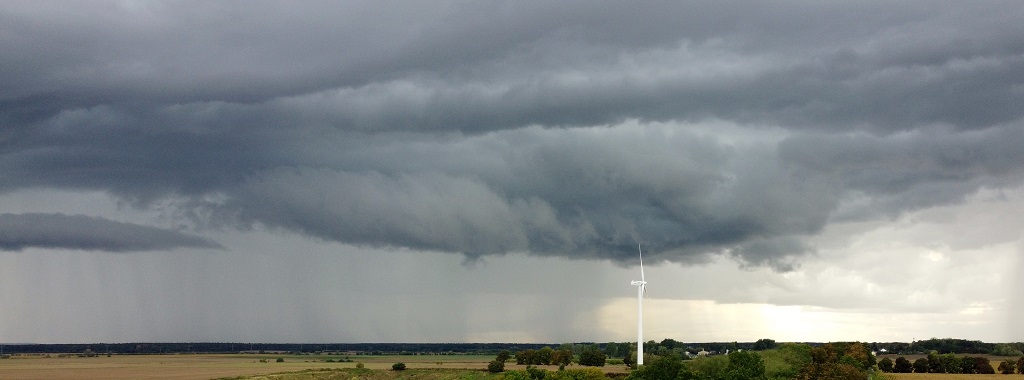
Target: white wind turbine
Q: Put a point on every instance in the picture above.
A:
(641, 289)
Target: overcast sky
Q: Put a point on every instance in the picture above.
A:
(443, 171)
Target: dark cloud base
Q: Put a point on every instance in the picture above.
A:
(80, 232)
(554, 129)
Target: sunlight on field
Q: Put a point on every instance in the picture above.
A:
(703, 319)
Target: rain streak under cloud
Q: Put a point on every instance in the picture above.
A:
(773, 136)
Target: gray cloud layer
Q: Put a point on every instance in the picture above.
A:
(59, 231)
(558, 129)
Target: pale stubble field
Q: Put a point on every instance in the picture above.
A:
(205, 366)
(213, 366)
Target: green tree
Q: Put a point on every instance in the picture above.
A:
(544, 356)
(398, 366)
(983, 366)
(902, 365)
(1020, 365)
(835, 361)
(1008, 367)
(967, 365)
(885, 365)
(503, 356)
(496, 366)
(661, 368)
(921, 365)
(830, 371)
(786, 360)
(935, 363)
(861, 354)
(950, 363)
(826, 353)
(536, 373)
(592, 356)
(561, 356)
(612, 350)
(630, 359)
(745, 365)
(670, 343)
(764, 344)
(710, 367)
(1003, 349)
(527, 356)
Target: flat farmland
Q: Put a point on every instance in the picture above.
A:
(208, 366)
(945, 376)
(993, 360)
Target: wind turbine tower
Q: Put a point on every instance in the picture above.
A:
(641, 289)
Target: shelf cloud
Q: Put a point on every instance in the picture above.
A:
(81, 232)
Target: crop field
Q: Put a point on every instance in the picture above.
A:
(947, 376)
(367, 374)
(993, 360)
(309, 367)
(211, 366)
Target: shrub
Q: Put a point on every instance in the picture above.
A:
(398, 366)
(536, 373)
(280, 360)
(663, 367)
(360, 365)
(496, 366)
(577, 374)
(516, 375)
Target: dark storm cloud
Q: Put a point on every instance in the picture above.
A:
(470, 67)
(571, 129)
(912, 170)
(59, 231)
(590, 193)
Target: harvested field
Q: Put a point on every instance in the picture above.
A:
(944, 376)
(207, 366)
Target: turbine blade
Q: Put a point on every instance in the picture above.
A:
(641, 262)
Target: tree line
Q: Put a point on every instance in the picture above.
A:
(950, 363)
(566, 354)
(830, 361)
(220, 347)
(611, 349)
